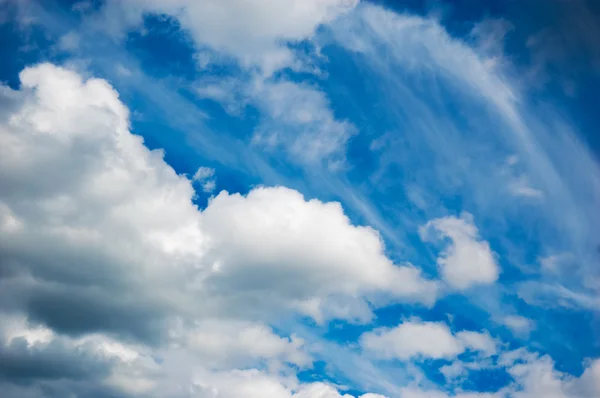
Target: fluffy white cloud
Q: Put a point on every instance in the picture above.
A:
(101, 243)
(224, 344)
(415, 392)
(310, 252)
(416, 339)
(256, 384)
(256, 33)
(536, 376)
(467, 260)
(76, 178)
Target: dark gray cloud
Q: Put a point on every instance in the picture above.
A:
(25, 364)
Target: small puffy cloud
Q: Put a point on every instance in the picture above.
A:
(417, 339)
(453, 371)
(467, 260)
(203, 173)
(209, 186)
(204, 176)
(519, 325)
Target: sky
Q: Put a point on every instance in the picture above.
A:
(299, 199)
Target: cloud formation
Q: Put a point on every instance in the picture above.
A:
(100, 238)
(255, 34)
(422, 340)
(467, 260)
(110, 268)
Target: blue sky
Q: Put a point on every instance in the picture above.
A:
(300, 198)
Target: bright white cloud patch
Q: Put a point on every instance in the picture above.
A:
(124, 195)
(233, 343)
(417, 339)
(536, 376)
(255, 33)
(316, 261)
(467, 260)
(255, 384)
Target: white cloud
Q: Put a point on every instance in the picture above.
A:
(256, 33)
(301, 120)
(203, 173)
(453, 371)
(209, 186)
(204, 176)
(307, 254)
(415, 392)
(315, 259)
(553, 159)
(256, 384)
(423, 43)
(225, 344)
(417, 339)
(467, 260)
(295, 117)
(520, 186)
(537, 377)
(100, 237)
(519, 325)
(69, 41)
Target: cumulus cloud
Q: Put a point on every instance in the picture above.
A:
(225, 344)
(310, 251)
(100, 237)
(32, 353)
(256, 384)
(536, 376)
(468, 260)
(417, 339)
